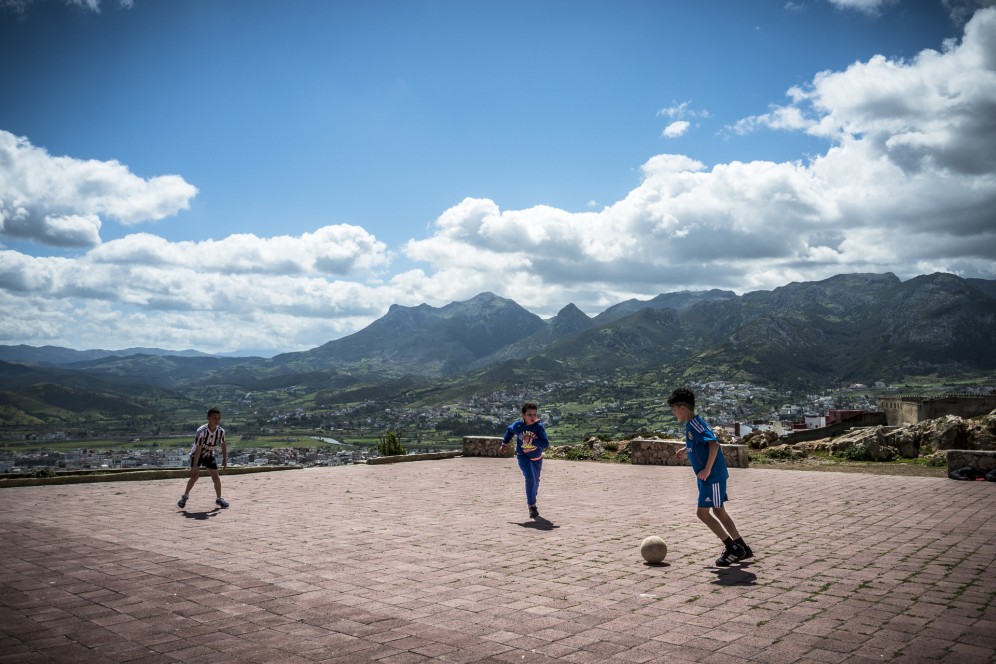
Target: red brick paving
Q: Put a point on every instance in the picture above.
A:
(437, 561)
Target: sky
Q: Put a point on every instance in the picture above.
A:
(263, 176)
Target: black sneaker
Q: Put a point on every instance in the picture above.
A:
(221, 502)
(533, 512)
(182, 502)
(748, 553)
(731, 555)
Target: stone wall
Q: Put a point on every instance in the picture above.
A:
(912, 409)
(485, 446)
(862, 420)
(401, 458)
(651, 451)
(982, 461)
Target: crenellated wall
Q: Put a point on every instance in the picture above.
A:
(912, 409)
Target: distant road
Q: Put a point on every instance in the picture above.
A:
(331, 441)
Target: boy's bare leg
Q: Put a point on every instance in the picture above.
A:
(714, 525)
(217, 481)
(727, 521)
(195, 472)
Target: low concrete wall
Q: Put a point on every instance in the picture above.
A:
(863, 420)
(137, 475)
(982, 461)
(401, 458)
(485, 446)
(650, 451)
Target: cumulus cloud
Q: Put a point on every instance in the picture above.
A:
(934, 113)
(871, 7)
(89, 5)
(60, 200)
(145, 288)
(962, 10)
(675, 129)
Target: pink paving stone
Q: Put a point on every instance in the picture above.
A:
(359, 564)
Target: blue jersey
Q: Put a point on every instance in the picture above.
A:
(530, 440)
(697, 437)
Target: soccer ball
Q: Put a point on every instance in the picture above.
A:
(653, 549)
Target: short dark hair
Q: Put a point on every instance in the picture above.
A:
(682, 395)
(529, 405)
(212, 411)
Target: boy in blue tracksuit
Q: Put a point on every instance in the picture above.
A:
(530, 441)
(710, 469)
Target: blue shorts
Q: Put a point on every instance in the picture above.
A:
(712, 494)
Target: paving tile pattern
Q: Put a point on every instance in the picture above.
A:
(437, 562)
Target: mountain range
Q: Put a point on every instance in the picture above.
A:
(851, 327)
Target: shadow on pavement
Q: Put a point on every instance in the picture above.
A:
(539, 523)
(200, 516)
(735, 576)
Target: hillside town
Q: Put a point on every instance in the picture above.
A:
(722, 403)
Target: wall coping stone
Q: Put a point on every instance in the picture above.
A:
(401, 458)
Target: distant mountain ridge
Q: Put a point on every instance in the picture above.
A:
(60, 355)
(850, 327)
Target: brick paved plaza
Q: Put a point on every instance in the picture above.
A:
(437, 561)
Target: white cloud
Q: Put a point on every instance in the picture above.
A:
(870, 7)
(60, 200)
(253, 287)
(675, 129)
(89, 5)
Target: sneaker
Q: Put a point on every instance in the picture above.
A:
(533, 512)
(182, 502)
(731, 555)
(221, 502)
(748, 553)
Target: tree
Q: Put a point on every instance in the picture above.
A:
(390, 444)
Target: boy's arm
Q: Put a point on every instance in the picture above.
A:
(507, 437)
(713, 451)
(224, 454)
(542, 441)
(196, 456)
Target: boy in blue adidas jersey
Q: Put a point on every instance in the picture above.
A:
(710, 469)
(530, 442)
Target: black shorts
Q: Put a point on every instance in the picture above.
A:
(206, 462)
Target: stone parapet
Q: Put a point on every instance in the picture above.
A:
(402, 458)
(485, 446)
(981, 460)
(655, 452)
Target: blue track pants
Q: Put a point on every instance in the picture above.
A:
(531, 471)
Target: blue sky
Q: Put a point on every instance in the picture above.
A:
(294, 168)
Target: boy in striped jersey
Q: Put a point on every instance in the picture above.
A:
(710, 469)
(208, 437)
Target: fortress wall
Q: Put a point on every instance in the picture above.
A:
(912, 409)
(963, 407)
